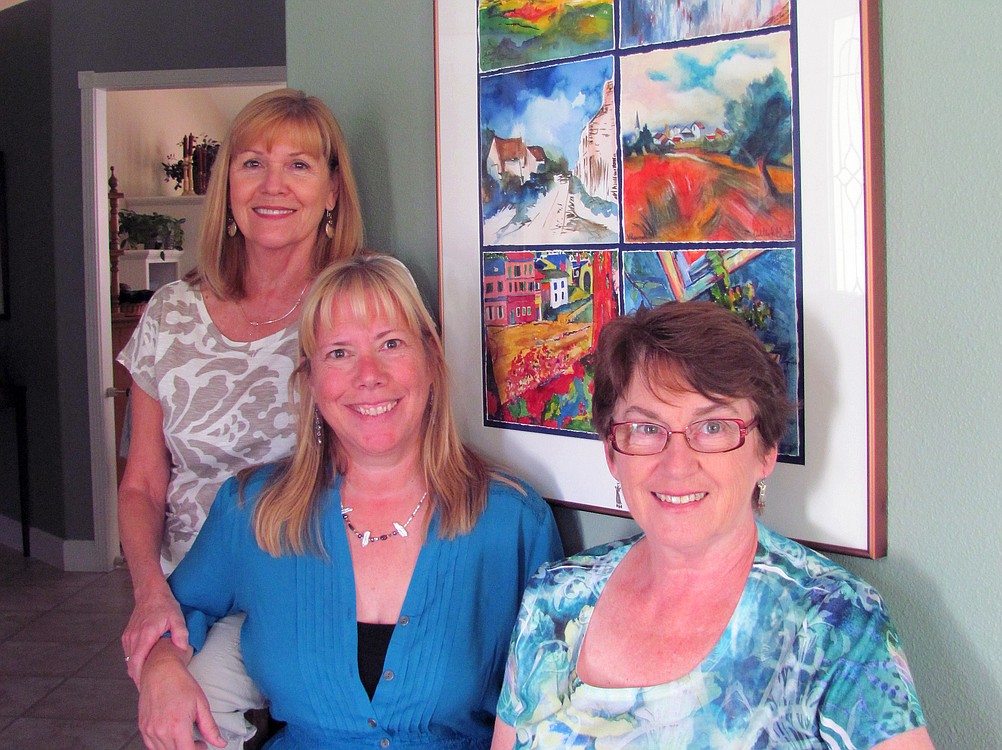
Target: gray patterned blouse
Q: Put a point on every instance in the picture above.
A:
(226, 403)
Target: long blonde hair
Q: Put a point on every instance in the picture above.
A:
(311, 127)
(287, 513)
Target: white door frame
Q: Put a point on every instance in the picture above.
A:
(101, 553)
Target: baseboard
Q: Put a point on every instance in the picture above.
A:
(79, 555)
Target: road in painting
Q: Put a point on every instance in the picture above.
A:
(548, 155)
(708, 142)
(542, 316)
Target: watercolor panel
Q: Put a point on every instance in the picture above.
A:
(707, 142)
(760, 285)
(519, 32)
(548, 156)
(542, 314)
(656, 21)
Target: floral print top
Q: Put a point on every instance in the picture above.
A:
(809, 659)
(226, 403)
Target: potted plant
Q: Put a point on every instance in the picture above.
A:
(202, 154)
(153, 231)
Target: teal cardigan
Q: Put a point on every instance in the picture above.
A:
(445, 663)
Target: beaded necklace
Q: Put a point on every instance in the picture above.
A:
(398, 529)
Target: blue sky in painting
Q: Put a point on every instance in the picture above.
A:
(695, 83)
(546, 107)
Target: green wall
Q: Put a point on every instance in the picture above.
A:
(374, 63)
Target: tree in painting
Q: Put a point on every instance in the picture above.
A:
(707, 142)
(762, 121)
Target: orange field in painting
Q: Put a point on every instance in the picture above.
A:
(695, 196)
(528, 355)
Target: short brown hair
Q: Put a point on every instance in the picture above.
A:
(312, 127)
(698, 346)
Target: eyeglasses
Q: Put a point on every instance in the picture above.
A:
(704, 436)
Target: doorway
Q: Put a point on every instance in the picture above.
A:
(94, 90)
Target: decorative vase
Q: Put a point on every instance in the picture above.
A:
(201, 167)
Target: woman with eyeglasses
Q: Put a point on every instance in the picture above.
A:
(706, 630)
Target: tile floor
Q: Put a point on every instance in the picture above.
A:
(63, 684)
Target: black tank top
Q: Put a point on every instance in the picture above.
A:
(373, 641)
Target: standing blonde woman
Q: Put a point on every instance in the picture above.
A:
(212, 357)
(381, 566)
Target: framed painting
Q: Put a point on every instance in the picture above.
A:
(4, 267)
(598, 156)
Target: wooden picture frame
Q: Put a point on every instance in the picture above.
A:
(829, 491)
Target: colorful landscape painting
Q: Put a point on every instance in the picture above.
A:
(758, 284)
(517, 32)
(707, 139)
(542, 314)
(548, 156)
(655, 21)
(618, 177)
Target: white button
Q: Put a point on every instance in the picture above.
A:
(404, 620)
(388, 674)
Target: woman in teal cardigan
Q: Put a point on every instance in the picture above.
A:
(381, 566)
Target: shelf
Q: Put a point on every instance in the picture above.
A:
(164, 200)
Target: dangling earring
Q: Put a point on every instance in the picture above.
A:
(318, 427)
(619, 495)
(760, 496)
(231, 226)
(329, 224)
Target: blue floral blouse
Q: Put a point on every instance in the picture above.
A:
(809, 659)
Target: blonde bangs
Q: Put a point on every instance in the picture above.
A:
(367, 295)
(298, 129)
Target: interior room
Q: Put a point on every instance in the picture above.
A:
(62, 682)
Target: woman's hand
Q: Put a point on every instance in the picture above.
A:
(171, 703)
(155, 613)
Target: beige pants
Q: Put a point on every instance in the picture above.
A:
(219, 669)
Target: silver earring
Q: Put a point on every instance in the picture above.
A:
(619, 495)
(231, 227)
(318, 427)
(329, 224)
(760, 496)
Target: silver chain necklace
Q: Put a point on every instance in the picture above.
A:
(366, 537)
(255, 324)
